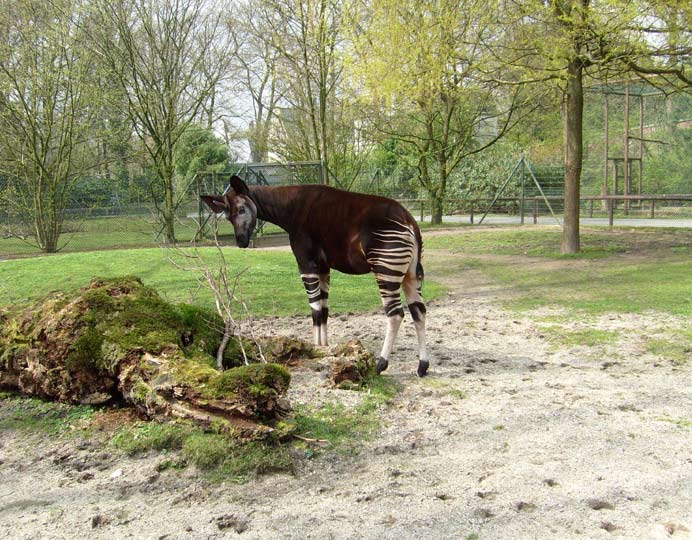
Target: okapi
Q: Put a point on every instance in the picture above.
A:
(350, 232)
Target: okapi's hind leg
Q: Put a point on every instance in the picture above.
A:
(414, 299)
(390, 291)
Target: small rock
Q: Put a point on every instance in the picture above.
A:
(672, 528)
(608, 526)
(597, 504)
(442, 496)
(484, 513)
(550, 482)
(230, 521)
(522, 506)
(99, 520)
(116, 474)
(86, 476)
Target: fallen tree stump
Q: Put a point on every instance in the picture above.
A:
(117, 340)
(353, 363)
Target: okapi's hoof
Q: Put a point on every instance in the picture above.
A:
(382, 364)
(423, 366)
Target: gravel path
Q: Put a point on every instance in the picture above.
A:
(510, 437)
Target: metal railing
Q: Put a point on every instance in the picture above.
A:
(667, 206)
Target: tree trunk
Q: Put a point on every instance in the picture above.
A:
(168, 216)
(437, 204)
(573, 107)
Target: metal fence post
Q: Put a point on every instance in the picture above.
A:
(610, 212)
(523, 192)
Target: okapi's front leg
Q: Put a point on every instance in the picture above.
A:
(324, 315)
(317, 288)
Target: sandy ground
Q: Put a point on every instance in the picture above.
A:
(510, 437)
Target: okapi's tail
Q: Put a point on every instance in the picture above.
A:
(420, 275)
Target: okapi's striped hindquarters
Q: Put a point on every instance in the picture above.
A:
(393, 253)
(350, 232)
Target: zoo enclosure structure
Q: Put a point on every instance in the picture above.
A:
(134, 225)
(267, 174)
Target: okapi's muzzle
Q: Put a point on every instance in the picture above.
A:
(242, 240)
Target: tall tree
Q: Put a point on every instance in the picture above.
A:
(568, 44)
(258, 62)
(426, 61)
(308, 33)
(167, 57)
(47, 99)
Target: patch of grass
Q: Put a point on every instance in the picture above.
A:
(545, 242)
(604, 287)
(223, 458)
(456, 393)
(342, 427)
(444, 387)
(219, 456)
(381, 391)
(677, 349)
(336, 424)
(268, 280)
(529, 242)
(143, 437)
(31, 414)
(680, 422)
(589, 337)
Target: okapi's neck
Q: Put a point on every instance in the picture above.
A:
(275, 204)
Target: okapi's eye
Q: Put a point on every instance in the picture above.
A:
(241, 210)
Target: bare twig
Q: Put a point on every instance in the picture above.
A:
(227, 297)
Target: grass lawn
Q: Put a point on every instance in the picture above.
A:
(100, 233)
(269, 280)
(622, 270)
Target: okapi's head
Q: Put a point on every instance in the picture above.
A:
(238, 208)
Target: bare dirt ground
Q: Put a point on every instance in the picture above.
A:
(510, 437)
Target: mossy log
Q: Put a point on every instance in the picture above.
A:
(119, 341)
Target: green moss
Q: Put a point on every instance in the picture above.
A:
(258, 380)
(86, 351)
(194, 373)
(12, 340)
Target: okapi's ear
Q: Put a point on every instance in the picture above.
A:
(239, 186)
(217, 203)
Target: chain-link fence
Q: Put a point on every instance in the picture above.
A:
(135, 224)
(87, 225)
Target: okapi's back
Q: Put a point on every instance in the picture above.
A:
(341, 222)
